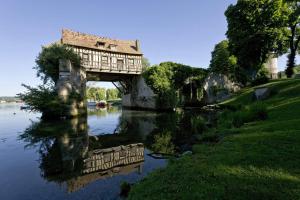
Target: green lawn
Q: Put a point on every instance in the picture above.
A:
(260, 160)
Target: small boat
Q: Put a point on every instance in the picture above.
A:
(101, 104)
(24, 107)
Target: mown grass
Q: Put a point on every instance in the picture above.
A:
(259, 160)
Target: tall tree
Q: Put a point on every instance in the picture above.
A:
(112, 94)
(255, 28)
(221, 60)
(294, 34)
(145, 63)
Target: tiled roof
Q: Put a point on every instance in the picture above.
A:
(95, 42)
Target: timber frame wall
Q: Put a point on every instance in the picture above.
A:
(111, 62)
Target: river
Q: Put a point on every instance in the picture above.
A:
(86, 158)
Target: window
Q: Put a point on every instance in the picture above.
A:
(85, 58)
(113, 60)
(130, 62)
(120, 64)
(100, 44)
(113, 47)
(107, 158)
(104, 60)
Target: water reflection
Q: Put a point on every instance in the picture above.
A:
(78, 152)
(69, 155)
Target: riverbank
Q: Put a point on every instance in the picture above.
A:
(259, 160)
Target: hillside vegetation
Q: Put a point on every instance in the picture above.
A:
(259, 160)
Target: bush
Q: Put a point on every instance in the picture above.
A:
(163, 143)
(198, 125)
(229, 119)
(239, 118)
(258, 111)
(225, 119)
(45, 100)
(211, 136)
(262, 77)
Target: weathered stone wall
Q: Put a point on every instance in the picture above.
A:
(141, 95)
(218, 87)
(71, 88)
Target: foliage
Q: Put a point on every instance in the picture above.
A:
(112, 94)
(198, 125)
(262, 77)
(98, 93)
(163, 143)
(47, 62)
(239, 118)
(210, 136)
(297, 69)
(255, 28)
(258, 111)
(256, 161)
(293, 23)
(222, 61)
(255, 112)
(167, 99)
(168, 77)
(43, 99)
(145, 63)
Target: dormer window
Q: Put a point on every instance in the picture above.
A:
(100, 44)
(113, 47)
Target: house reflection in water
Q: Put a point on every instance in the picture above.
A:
(104, 163)
(71, 156)
(74, 155)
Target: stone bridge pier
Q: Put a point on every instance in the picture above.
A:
(71, 88)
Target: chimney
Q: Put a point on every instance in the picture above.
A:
(137, 45)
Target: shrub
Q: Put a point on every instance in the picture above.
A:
(262, 77)
(239, 118)
(229, 119)
(210, 136)
(260, 80)
(163, 143)
(43, 99)
(258, 111)
(225, 119)
(198, 125)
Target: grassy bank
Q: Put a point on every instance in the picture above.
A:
(259, 160)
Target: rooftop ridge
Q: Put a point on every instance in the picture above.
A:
(96, 36)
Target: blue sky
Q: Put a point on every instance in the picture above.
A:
(169, 30)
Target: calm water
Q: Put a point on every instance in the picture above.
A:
(84, 158)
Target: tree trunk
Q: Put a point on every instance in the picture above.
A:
(294, 43)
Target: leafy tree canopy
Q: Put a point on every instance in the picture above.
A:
(221, 60)
(255, 28)
(167, 77)
(145, 63)
(47, 62)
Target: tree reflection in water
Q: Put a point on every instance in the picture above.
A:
(68, 154)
